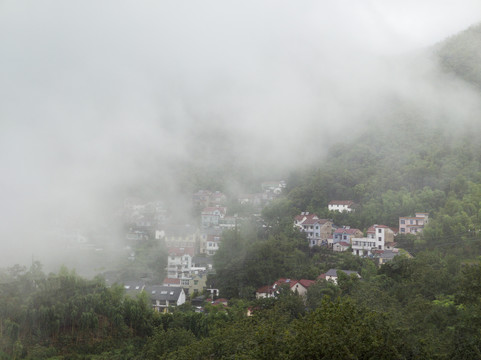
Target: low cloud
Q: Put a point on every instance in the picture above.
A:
(98, 98)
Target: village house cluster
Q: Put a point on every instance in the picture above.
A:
(301, 286)
(190, 247)
(378, 242)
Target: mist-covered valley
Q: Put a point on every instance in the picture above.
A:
(156, 100)
(123, 123)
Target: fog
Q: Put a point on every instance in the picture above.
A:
(102, 100)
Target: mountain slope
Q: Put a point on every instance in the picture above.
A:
(461, 54)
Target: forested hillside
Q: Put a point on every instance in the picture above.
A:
(425, 304)
(461, 53)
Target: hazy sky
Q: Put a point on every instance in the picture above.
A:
(97, 94)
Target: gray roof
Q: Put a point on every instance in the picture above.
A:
(134, 286)
(388, 254)
(202, 260)
(162, 293)
(333, 272)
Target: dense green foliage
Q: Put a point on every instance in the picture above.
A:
(461, 53)
(425, 307)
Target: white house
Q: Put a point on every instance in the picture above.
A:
(364, 246)
(340, 205)
(382, 233)
(179, 262)
(212, 244)
(164, 296)
(378, 237)
(331, 275)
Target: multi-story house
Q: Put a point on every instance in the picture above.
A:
(364, 246)
(179, 262)
(381, 233)
(345, 234)
(211, 215)
(212, 244)
(378, 238)
(209, 240)
(197, 283)
(163, 297)
(413, 224)
(317, 230)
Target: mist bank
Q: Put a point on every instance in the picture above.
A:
(149, 100)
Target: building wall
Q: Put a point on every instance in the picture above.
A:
(413, 224)
(363, 246)
(197, 284)
(339, 208)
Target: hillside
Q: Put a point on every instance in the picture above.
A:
(414, 155)
(461, 54)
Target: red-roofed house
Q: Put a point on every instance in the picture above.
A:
(171, 282)
(317, 230)
(340, 205)
(221, 301)
(299, 286)
(377, 237)
(341, 246)
(382, 233)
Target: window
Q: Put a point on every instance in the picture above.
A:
(196, 282)
(403, 230)
(379, 230)
(403, 221)
(379, 238)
